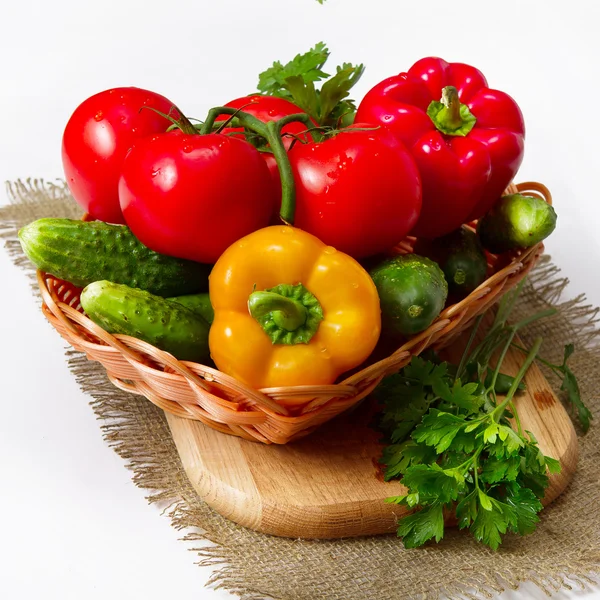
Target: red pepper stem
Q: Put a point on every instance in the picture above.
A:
(450, 116)
(452, 103)
(271, 131)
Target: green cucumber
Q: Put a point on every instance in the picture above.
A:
(461, 257)
(198, 303)
(516, 221)
(82, 252)
(412, 292)
(167, 325)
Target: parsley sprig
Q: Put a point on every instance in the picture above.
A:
(295, 81)
(453, 444)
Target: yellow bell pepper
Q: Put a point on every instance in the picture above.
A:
(290, 310)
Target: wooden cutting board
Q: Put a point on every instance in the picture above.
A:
(329, 485)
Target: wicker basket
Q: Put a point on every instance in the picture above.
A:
(273, 415)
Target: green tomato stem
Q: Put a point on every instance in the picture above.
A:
(271, 131)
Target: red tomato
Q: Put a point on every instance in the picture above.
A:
(192, 196)
(359, 191)
(270, 108)
(98, 136)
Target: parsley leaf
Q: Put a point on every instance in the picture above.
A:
(423, 525)
(433, 482)
(308, 66)
(454, 443)
(295, 81)
(570, 385)
(438, 429)
(526, 507)
(490, 524)
(398, 457)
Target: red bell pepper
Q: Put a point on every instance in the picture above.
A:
(466, 138)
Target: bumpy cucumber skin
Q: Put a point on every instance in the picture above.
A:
(197, 303)
(462, 259)
(83, 252)
(516, 221)
(412, 292)
(167, 325)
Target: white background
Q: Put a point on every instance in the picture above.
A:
(72, 524)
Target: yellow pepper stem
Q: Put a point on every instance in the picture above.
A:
(288, 314)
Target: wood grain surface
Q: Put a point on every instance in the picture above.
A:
(329, 484)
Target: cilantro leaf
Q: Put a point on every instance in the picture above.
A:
(421, 526)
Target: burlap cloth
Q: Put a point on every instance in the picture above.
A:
(563, 552)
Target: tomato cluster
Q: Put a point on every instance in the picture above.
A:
(406, 166)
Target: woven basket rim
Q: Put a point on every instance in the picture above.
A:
(231, 406)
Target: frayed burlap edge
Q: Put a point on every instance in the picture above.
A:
(564, 553)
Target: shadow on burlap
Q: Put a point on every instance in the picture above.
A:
(564, 552)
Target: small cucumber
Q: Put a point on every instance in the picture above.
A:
(167, 325)
(461, 257)
(82, 252)
(198, 303)
(516, 221)
(412, 292)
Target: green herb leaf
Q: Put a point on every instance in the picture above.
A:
(422, 526)
(438, 429)
(295, 81)
(500, 469)
(526, 507)
(433, 482)
(399, 457)
(467, 396)
(308, 66)
(490, 524)
(463, 449)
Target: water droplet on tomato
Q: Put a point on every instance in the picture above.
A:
(326, 190)
(188, 148)
(155, 172)
(330, 250)
(272, 112)
(387, 117)
(354, 285)
(99, 116)
(325, 353)
(111, 91)
(122, 118)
